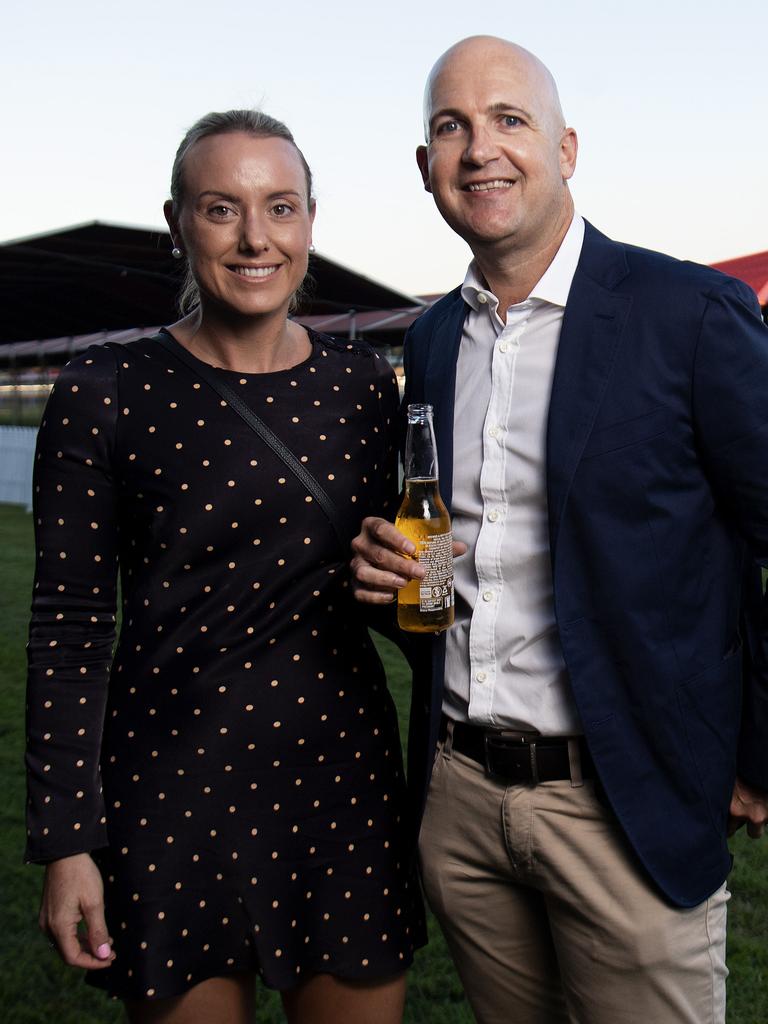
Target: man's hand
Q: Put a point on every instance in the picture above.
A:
(749, 807)
(383, 562)
(73, 892)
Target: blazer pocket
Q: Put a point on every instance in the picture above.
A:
(627, 432)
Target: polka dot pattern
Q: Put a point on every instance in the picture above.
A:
(235, 768)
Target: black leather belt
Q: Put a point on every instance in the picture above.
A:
(521, 759)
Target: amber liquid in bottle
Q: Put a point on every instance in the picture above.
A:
(426, 605)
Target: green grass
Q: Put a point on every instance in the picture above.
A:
(36, 989)
(28, 416)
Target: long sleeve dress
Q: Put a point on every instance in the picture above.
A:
(234, 767)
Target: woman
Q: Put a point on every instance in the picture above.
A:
(242, 733)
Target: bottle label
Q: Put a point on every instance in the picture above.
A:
(436, 589)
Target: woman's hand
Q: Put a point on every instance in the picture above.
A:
(73, 892)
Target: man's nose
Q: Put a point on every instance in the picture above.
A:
(481, 146)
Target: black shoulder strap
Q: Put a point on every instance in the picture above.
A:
(259, 427)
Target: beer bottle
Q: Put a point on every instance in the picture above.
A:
(426, 605)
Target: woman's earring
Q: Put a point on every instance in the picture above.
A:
(312, 247)
(176, 252)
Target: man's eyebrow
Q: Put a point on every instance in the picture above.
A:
(445, 112)
(509, 108)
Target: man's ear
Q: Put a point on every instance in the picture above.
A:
(569, 148)
(422, 159)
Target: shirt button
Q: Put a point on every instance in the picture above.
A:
(503, 347)
(493, 515)
(481, 677)
(488, 595)
(482, 298)
(493, 431)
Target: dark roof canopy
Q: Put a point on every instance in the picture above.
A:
(98, 276)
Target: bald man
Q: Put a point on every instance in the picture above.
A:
(599, 711)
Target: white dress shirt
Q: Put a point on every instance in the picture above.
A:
(504, 665)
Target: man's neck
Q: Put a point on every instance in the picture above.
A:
(512, 274)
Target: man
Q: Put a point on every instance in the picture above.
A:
(603, 440)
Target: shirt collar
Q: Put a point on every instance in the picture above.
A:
(554, 284)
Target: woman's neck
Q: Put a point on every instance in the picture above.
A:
(246, 345)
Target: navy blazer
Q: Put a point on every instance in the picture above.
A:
(657, 488)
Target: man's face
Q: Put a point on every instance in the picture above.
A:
(498, 154)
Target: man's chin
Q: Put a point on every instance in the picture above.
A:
(488, 240)
(484, 232)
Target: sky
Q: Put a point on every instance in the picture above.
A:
(668, 99)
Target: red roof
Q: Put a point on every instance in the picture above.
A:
(753, 270)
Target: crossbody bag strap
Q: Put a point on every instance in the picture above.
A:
(259, 427)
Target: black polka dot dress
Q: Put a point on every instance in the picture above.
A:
(235, 767)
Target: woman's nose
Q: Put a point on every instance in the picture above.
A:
(253, 233)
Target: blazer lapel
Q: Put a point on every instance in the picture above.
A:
(593, 322)
(440, 385)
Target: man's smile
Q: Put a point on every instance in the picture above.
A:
(488, 186)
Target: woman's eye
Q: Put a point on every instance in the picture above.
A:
(219, 210)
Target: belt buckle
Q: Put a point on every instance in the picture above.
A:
(520, 743)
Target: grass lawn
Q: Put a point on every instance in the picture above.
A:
(36, 989)
(27, 415)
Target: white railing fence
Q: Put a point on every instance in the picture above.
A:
(17, 455)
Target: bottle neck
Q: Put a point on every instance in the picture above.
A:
(420, 452)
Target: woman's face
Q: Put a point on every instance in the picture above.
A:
(245, 222)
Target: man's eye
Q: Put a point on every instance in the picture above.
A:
(282, 209)
(512, 121)
(447, 127)
(219, 210)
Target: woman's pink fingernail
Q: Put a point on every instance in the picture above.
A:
(103, 951)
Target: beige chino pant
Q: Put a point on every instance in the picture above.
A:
(547, 914)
